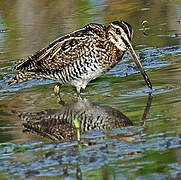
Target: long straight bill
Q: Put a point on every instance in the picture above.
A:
(139, 65)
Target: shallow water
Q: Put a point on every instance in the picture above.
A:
(150, 149)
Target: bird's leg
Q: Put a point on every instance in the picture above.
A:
(57, 94)
(78, 92)
(57, 90)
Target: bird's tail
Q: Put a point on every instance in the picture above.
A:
(22, 76)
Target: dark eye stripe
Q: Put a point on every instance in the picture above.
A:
(125, 27)
(125, 42)
(126, 31)
(129, 29)
(118, 31)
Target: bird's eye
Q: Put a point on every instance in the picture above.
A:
(118, 31)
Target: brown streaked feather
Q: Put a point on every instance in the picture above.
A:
(63, 51)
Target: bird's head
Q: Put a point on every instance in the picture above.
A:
(120, 33)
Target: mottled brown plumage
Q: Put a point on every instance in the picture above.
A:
(81, 56)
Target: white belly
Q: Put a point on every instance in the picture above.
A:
(86, 78)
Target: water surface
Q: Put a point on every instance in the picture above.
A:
(139, 152)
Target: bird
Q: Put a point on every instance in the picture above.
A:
(81, 56)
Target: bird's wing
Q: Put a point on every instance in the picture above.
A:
(64, 50)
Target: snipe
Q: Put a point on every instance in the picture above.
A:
(81, 56)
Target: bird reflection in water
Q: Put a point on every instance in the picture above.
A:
(58, 124)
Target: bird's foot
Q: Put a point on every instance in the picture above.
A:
(78, 94)
(79, 97)
(57, 95)
(57, 90)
